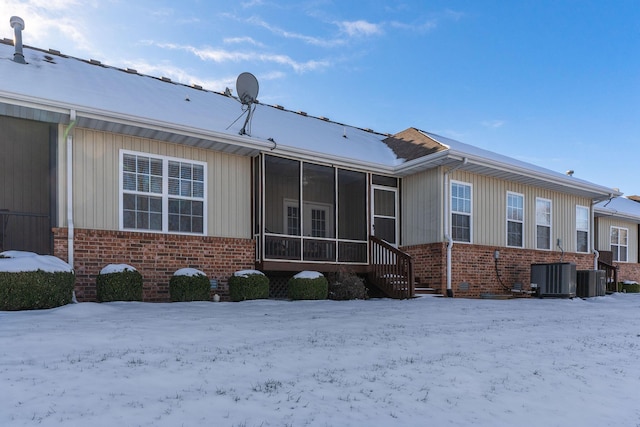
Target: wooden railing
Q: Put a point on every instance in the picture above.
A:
(391, 269)
(610, 274)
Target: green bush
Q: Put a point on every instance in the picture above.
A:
(35, 289)
(630, 287)
(189, 288)
(347, 286)
(123, 285)
(299, 288)
(248, 286)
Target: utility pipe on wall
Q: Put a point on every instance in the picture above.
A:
(68, 137)
(447, 205)
(592, 226)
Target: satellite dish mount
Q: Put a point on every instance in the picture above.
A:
(247, 90)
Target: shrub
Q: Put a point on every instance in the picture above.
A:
(307, 285)
(248, 285)
(29, 281)
(630, 287)
(31, 290)
(347, 286)
(189, 286)
(122, 285)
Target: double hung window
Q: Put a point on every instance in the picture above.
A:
(515, 219)
(461, 212)
(582, 229)
(620, 243)
(543, 224)
(162, 194)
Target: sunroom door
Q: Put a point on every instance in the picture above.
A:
(384, 209)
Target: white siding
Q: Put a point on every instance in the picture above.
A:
(96, 180)
(421, 211)
(490, 204)
(603, 239)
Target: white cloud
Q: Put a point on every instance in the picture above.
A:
(49, 24)
(239, 40)
(421, 27)
(493, 124)
(360, 28)
(316, 41)
(221, 55)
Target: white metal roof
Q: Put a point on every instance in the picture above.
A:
(619, 207)
(50, 85)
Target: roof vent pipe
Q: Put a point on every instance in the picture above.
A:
(18, 25)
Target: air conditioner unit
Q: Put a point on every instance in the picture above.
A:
(590, 283)
(554, 280)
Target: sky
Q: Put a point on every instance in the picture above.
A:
(421, 362)
(555, 83)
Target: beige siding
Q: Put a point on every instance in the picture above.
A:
(421, 212)
(489, 197)
(96, 181)
(603, 239)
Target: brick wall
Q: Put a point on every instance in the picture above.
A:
(627, 271)
(473, 268)
(155, 256)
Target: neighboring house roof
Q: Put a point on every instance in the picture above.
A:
(634, 198)
(51, 85)
(619, 207)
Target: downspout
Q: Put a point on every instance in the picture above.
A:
(69, 139)
(592, 237)
(447, 204)
(592, 225)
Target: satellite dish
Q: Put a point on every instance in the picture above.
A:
(247, 88)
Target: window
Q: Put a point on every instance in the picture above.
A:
(293, 220)
(461, 212)
(619, 243)
(582, 229)
(515, 219)
(318, 223)
(162, 194)
(543, 223)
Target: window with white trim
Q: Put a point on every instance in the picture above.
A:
(461, 212)
(619, 243)
(318, 223)
(161, 193)
(515, 220)
(582, 229)
(543, 223)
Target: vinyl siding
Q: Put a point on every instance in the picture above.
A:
(603, 239)
(96, 181)
(489, 204)
(421, 211)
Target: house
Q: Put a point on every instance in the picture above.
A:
(617, 225)
(103, 165)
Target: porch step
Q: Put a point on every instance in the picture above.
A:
(423, 290)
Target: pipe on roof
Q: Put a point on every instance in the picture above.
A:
(18, 25)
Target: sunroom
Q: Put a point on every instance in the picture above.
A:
(319, 216)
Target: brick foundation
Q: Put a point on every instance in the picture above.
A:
(155, 256)
(627, 271)
(474, 269)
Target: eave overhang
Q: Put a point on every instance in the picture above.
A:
(508, 172)
(45, 110)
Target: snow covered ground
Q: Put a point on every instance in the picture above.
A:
(422, 362)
